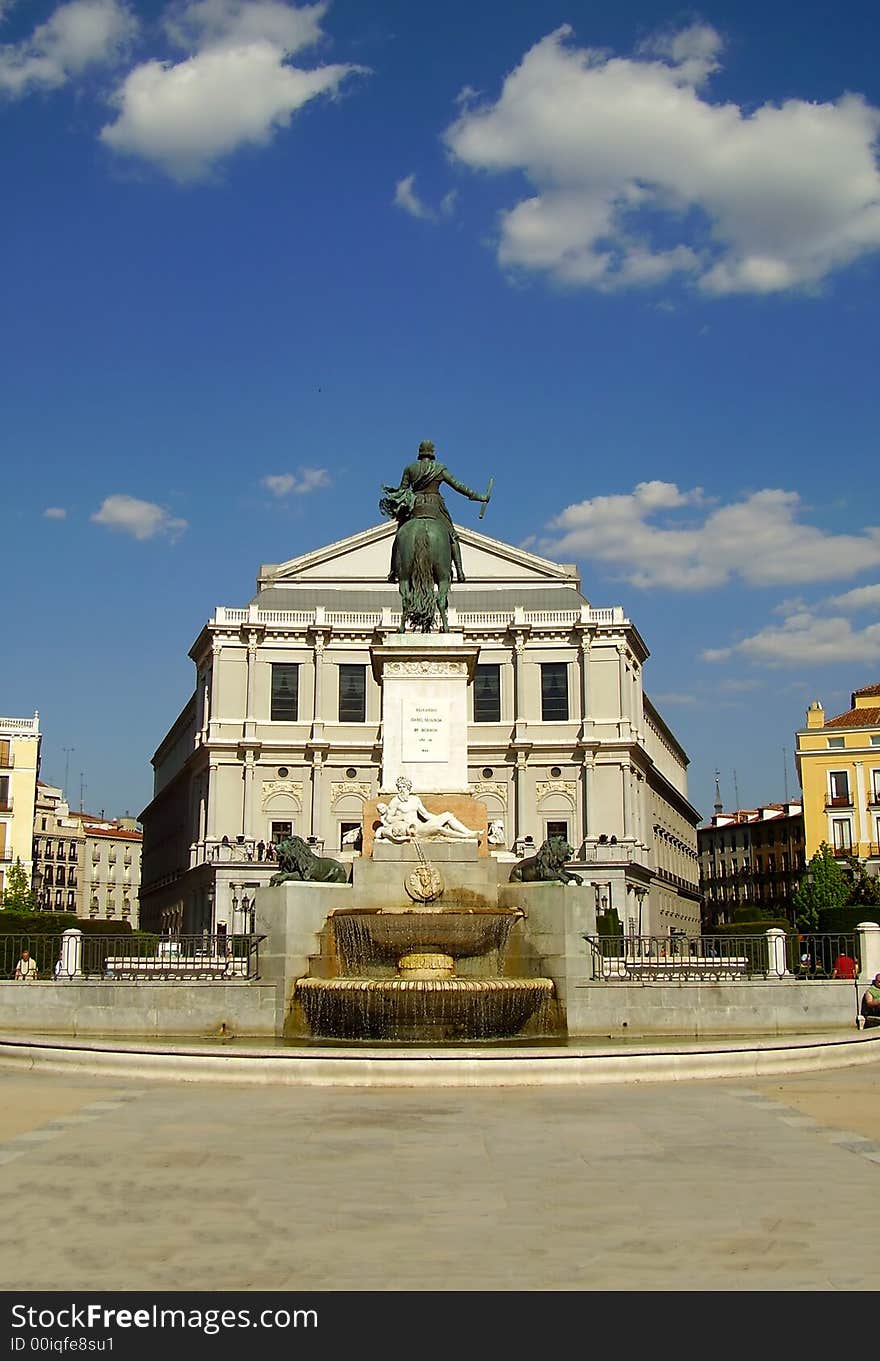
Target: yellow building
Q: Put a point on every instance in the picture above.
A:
(838, 761)
(19, 767)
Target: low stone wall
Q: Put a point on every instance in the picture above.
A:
(697, 1009)
(142, 1010)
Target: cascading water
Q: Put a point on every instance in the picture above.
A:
(423, 1000)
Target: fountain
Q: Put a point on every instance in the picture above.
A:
(394, 959)
(425, 999)
(430, 942)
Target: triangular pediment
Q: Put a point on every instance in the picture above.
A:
(364, 558)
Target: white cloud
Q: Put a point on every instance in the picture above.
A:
(140, 519)
(661, 536)
(298, 484)
(237, 89)
(77, 35)
(862, 598)
(229, 23)
(405, 197)
(638, 176)
(805, 638)
(812, 633)
(55, 513)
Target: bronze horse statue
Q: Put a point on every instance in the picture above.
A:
(423, 558)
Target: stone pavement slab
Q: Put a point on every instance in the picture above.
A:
(765, 1184)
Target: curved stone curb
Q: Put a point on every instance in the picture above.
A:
(326, 1067)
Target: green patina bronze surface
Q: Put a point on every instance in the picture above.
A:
(297, 860)
(419, 555)
(547, 865)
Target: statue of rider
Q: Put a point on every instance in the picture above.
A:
(418, 497)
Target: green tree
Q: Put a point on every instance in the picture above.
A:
(865, 888)
(18, 895)
(825, 884)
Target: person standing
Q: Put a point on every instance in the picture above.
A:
(26, 969)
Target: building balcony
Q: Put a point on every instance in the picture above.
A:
(5, 855)
(5, 805)
(839, 801)
(7, 762)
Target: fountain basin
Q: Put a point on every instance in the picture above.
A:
(433, 1010)
(386, 934)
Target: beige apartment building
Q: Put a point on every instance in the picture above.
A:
(83, 863)
(283, 734)
(19, 769)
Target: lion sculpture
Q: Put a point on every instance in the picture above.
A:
(547, 865)
(297, 860)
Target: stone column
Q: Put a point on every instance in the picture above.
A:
(520, 798)
(621, 686)
(248, 800)
(211, 830)
(587, 795)
(626, 775)
(249, 685)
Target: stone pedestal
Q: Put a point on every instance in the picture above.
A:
(424, 679)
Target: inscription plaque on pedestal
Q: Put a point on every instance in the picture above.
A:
(425, 730)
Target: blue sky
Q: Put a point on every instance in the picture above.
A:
(623, 258)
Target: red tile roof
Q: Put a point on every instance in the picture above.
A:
(866, 690)
(856, 718)
(115, 833)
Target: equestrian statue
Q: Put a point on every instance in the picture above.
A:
(426, 546)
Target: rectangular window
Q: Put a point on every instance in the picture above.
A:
(557, 829)
(352, 694)
(875, 785)
(71, 900)
(487, 694)
(4, 791)
(875, 739)
(285, 691)
(282, 831)
(838, 784)
(835, 743)
(554, 692)
(352, 830)
(841, 830)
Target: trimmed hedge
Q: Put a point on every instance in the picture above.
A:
(844, 920)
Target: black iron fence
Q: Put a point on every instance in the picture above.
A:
(177, 959)
(676, 958)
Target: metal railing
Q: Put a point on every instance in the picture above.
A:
(178, 959)
(710, 959)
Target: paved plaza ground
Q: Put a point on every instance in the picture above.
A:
(759, 1184)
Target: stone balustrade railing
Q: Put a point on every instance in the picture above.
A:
(389, 618)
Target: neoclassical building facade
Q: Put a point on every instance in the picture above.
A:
(283, 734)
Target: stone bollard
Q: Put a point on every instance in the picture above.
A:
(776, 952)
(70, 963)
